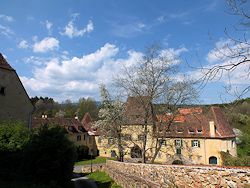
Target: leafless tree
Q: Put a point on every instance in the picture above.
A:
(235, 53)
(152, 80)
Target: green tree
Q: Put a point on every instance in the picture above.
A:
(14, 136)
(49, 156)
(87, 105)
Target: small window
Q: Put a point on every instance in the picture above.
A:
(178, 151)
(70, 128)
(84, 137)
(110, 141)
(191, 131)
(162, 142)
(233, 143)
(195, 143)
(2, 91)
(178, 143)
(78, 138)
(179, 130)
(199, 130)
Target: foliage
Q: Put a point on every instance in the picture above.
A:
(103, 180)
(82, 152)
(44, 105)
(111, 120)
(88, 105)
(243, 147)
(49, 157)
(97, 160)
(229, 160)
(238, 114)
(13, 138)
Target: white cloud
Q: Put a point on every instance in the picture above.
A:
(23, 44)
(173, 54)
(75, 77)
(5, 30)
(78, 76)
(47, 44)
(6, 18)
(222, 57)
(49, 26)
(71, 30)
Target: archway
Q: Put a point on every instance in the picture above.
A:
(213, 160)
(136, 152)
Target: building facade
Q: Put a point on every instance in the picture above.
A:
(15, 104)
(195, 136)
(75, 131)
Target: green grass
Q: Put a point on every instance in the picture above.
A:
(103, 180)
(97, 160)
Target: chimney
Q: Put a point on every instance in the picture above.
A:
(76, 117)
(212, 128)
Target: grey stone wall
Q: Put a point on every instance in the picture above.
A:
(95, 167)
(130, 175)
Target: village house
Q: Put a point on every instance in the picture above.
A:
(13, 97)
(196, 136)
(76, 131)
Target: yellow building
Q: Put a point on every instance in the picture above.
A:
(15, 104)
(196, 136)
(75, 129)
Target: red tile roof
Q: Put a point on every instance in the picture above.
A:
(87, 124)
(71, 125)
(4, 64)
(196, 125)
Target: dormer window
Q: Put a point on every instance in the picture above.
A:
(191, 131)
(179, 130)
(2, 91)
(199, 130)
(70, 128)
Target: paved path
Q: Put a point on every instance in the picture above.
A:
(84, 182)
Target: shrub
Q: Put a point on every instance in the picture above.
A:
(14, 136)
(229, 160)
(82, 152)
(49, 157)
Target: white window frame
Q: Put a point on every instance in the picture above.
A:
(178, 143)
(195, 143)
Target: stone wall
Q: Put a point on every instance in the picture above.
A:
(130, 175)
(95, 167)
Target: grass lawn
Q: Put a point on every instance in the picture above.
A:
(97, 160)
(103, 180)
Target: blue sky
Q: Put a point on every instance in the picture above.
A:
(64, 49)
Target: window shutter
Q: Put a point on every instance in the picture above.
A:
(199, 145)
(192, 143)
(181, 143)
(175, 142)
